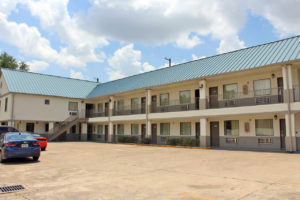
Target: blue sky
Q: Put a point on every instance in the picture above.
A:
(117, 38)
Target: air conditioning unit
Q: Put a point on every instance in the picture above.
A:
(265, 141)
(73, 113)
(231, 140)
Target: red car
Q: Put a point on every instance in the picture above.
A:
(42, 141)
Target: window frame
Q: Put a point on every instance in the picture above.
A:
(225, 128)
(134, 105)
(264, 92)
(180, 97)
(161, 132)
(100, 130)
(167, 102)
(118, 129)
(70, 102)
(262, 134)
(120, 106)
(100, 105)
(6, 104)
(132, 129)
(190, 127)
(228, 97)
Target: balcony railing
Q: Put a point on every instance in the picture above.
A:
(130, 110)
(90, 114)
(176, 105)
(252, 98)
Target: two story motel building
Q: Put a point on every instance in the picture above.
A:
(245, 99)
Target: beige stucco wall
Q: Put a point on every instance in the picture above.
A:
(6, 115)
(33, 107)
(39, 127)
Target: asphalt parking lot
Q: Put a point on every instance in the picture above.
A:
(88, 171)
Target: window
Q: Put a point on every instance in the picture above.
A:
(47, 101)
(30, 127)
(5, 106)
(47, 127)
(120, 129)
(120, 104)
(164, 128)
(100, 129)
(100, 107)
(185, 97)
(134, 103)
(230, 91)
(185, 128)
(231, 127)
(73, 106)
(164, 99)
(262, 87)
(134, 129)
(264, 127)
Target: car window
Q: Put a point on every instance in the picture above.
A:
(7, 129)
(3, 130)
(16, 137)
(11, 129)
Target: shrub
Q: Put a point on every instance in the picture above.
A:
(146, 141)
(181, 141)
(127, 139)
(174, 141)
(189, 142)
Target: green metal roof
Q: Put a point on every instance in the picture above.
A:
(262, 55)
(41, 84)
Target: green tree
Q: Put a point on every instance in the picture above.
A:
(7, 61)
(23, 66)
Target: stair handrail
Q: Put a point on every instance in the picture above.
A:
(57, 129)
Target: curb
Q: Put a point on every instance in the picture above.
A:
(156, 145)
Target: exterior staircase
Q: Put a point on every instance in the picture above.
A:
(66, 124)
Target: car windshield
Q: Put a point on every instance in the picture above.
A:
(36, 135)
(7, 129)
(19, 137)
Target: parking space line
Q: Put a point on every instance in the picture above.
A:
(191, 195)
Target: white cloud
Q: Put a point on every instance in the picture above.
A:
(54, 17)
(7, 6)
(37, 65)
(164, 21)
(230, 44)
(195, 57)
(76, 75)
(125, 62)
(185, 42)
(78, 46)
(284, 15)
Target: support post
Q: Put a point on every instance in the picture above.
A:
(84, 130)
(110, 124)
(148, 111)
(202, 92)
(204, 133)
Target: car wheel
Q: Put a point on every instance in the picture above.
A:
(1, 160)
(35, 158)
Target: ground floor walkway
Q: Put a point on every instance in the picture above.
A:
(88, 170)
